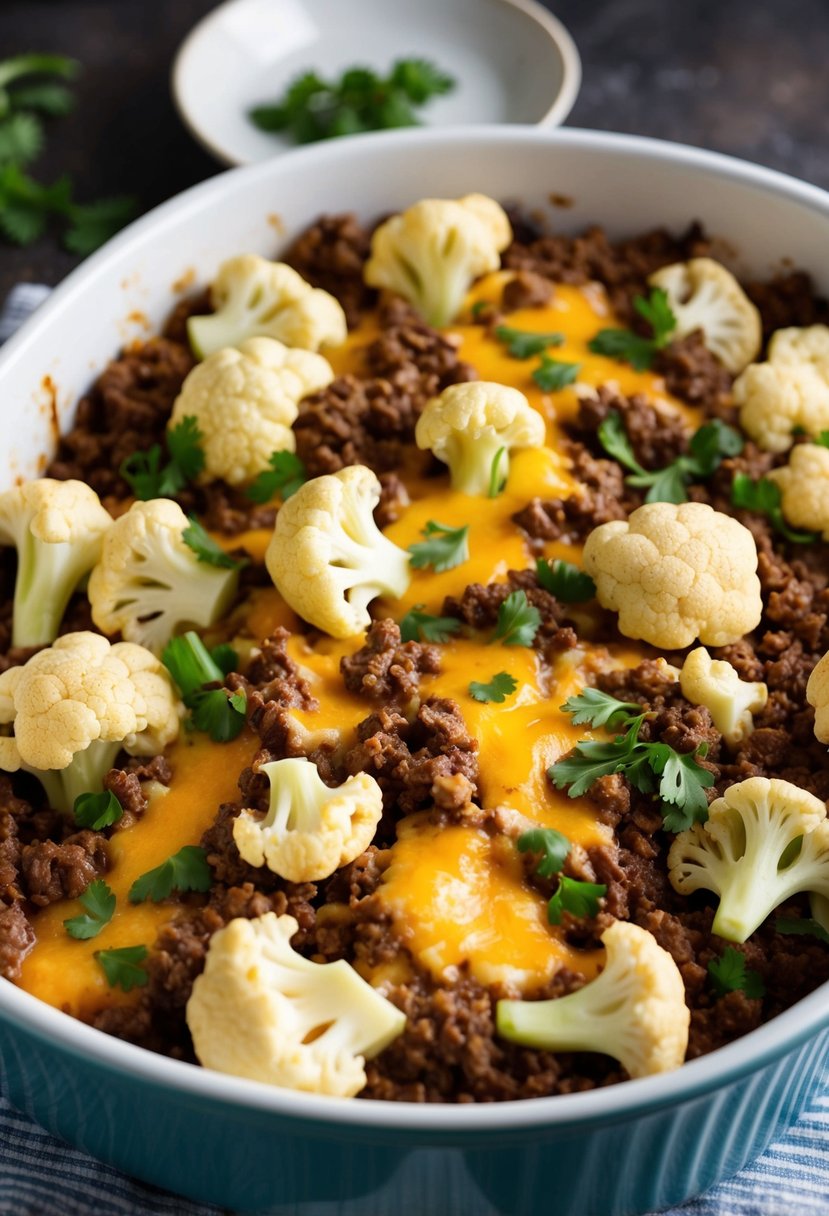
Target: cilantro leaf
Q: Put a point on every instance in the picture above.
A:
(206, 549)
(184, 445)
(707, 447)
(92, 224)
(216, 711)
(629, 347)
(524, 343)
(443, 549)
(219, 714)
(97, 811)
(614, 439)
(186, 870)
(730, 974)
(682, 785)
(576, 897)
(47, 97)
(420, 626)
(496, 482)
(518, 621)
(599, 708)
(225, 658)
(98, 901)
(586, 763)
(21, 139)
(823, 439)
(656, 310)
(565, 581)
(763, 497)
(35, 64)
(420, 80)
(552, 846)
(148, 478)
(501, 686)
(802, 925)
(284, 477)
(123, 968)
(664, 485)
(553, 374)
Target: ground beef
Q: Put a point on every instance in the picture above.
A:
(16, 940)
(226, 509)
(602, 496)
(394, 498)
(125, 784)
(62, 871)
(126, 411)
(526, 290)
(331, 254)
(788, 299)
(478, 608)
(657, 436)
(273, 676)
(694, 375)
(386, 669)
(10, 850)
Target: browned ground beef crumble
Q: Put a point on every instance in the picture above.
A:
(421, 753)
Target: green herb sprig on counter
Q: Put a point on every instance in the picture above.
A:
(217, 712)
(730, 974)
(148, 478)
(632, 348)
(763, 498)
(312, 109)
(572, 895)
(652, 768)
(443, 549)
(706, 450)
(32, 87)
(420, 626)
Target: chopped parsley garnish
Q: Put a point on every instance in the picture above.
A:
(552, 847)
(652, 768)
(730, 974)
(205, 547)
(523, 343)
(804, 925)
(148, 478)
(360, 100)
(565, 581)
(124, 968)
(763, 497)
(501, 686)
(518, 621)
(284, 477)
(553, 374)
(98, 901)
(628, 347)
(576, 897)
(707, 447)
(221, 714)
(420, 626)
(97, 811)
(443, 549)
(496, 481)
(186, 870)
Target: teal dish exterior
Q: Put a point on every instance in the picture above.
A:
(620, 1151)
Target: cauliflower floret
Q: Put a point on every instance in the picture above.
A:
(702, 294)
(149, 583)
(635, 1011)
(74, 706)
(57, 528)
(245, 401)
(253, 297)
(432, 253)
(730, 700)
(804, 488)
(469, 424)
(764, 841)
(790, 390)
(327, 557)
(262, 1011)
(677, 572)
(310, 830)
(817, 694)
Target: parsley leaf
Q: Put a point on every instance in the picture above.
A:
(420, 626)
(284, 477)
(498, 689)
(599, 708)
(216, 711)
(682, 784)
(97, 811)
(576, 897)
(518, 621)
(443, 549)
(804, 925)
(360, 100)
(565, 581)
(186, 870)
(553, 374)
(614, 439)
(523, 343)
(148, 478)
(47, 97)
(763, 497)
(220, 714)
(496, 482)
(706, 450)
(99, 902)
(629, 347)
(730, 974)
(91, 224)
(552, 846)
(184, 445)
(123, 968)
(206, 549)
(21, 139)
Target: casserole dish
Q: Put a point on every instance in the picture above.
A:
(241, 1144)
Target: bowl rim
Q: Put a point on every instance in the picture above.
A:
(557, 33)
(746, 1055)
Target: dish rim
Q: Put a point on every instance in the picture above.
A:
(553, 27)
(630, 1099)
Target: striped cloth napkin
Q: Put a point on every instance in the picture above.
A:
(42, 1176)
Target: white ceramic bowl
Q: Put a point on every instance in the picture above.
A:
(633, 1148)
(512, 60)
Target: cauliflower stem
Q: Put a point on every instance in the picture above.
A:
(84, 775)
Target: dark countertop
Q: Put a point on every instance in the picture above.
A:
(743, 76)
